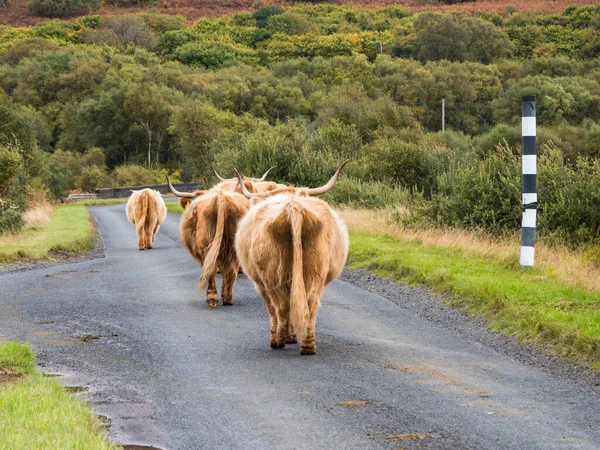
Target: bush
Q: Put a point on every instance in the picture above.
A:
(459, 37)
(133, 175)
(56, 8)
(11, 218)
(357, 193)
(569, 196)
(477, 194)
(91, 178)
(263, 14)
(214, 54)
(130, 30)
(10, 161)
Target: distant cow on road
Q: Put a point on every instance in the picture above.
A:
(147, 211)
(291, 245)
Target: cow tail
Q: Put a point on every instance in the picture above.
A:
(142, 211)
(209, 267)
(299, 314)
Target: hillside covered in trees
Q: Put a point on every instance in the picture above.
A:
(105, 100)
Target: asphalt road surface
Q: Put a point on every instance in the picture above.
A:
(132, 329)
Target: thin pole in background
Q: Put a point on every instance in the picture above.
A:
(443, 115)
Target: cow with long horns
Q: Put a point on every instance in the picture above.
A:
(207, 230)
(251, 184)
(291, 245)
(147, 211)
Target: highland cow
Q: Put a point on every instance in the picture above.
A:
(291, 245)
(147, 211)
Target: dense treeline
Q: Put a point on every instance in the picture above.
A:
(126, 99)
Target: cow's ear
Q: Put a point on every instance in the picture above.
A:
(185, 201)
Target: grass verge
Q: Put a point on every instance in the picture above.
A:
(174, 208)
(532, 305)
(69, 231)
(37, 413)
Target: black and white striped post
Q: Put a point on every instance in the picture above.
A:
(529, 180)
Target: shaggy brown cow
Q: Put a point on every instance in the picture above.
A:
(291, 245)
(146, 210)
(251, 184)
(207, 231)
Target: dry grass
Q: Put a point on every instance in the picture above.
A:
(571, 267)
(407, 437)
(353, 403)
(39, 215)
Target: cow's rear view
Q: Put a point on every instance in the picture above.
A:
(147, 211)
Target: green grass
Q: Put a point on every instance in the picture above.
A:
(529, 304)
(174, 208)
(37, 413)
(69, 231)
(19, 358)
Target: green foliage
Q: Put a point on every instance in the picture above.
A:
(477, 194)
(55, 8)
(10, 161)
(214, 54)
(459, 37)
(290, 23)
(569, 198)
(11, 217)
(263, 14)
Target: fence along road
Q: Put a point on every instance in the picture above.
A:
(172, 373)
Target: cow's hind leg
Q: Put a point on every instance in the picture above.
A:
(283, 318)
(229, 276)
(212, 298)
(149, 236)
(141, 236)
(155, 232)
(308, 345)
(274, 337)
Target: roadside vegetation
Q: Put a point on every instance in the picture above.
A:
(68, 230)
(37, 412)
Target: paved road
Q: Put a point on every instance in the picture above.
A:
(172, 373)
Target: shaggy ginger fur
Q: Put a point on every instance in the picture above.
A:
(291, 246)
(147, 211)
(207, 230)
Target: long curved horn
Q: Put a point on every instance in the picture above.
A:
(218, 176)
(266, 173)
(329, 185)
(245, 191)
(176, 192)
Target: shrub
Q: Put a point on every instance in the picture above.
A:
(358, 193)
(92, 177)
(133, 175)
(56, 8)
(130, 30)
(11, 218)
(10, 161)
(459, 37)
(569, 196)
(290, 23)
(214, 54)
(263, 14)
(477, 194)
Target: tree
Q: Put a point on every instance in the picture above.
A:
(459, 37)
